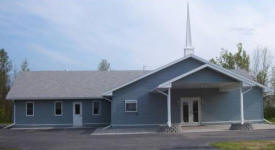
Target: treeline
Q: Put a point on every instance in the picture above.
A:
(8, 73)
(258, 67)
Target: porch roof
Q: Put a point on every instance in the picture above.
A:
(222, 85)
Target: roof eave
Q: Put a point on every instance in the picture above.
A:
(52, 98)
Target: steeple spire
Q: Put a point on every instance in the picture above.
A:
(188, 50)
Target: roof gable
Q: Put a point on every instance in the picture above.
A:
(203, 74)
(163, 68)
(207, 63)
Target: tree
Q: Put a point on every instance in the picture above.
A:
(261, 65)
(228, 60)
(273, 77)
(241, 58)
(104, 65)
(5, 68)
(24, 66)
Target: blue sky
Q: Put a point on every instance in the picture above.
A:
(76, 35)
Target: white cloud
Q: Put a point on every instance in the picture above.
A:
(152, 32)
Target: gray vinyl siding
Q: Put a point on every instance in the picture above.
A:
(215, 106)
(44, 113)
(152, 107)
(206, 75)
(253, 104)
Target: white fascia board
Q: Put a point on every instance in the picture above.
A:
(217, 67)
(246, 80)
(230, 72)
(198, 69)
(146, 75)
(167, 83)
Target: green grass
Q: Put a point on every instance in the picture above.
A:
(245, 145)
(272, 120)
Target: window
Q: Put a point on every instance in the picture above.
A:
(130, 105)
(29, 109)
(77, 109)
(58, 108)
(96, 108)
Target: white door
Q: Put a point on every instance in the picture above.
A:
(77, 114)
(190, 111)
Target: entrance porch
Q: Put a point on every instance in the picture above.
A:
(203, 96)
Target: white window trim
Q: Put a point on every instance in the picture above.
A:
(100, 106)
(27, 109)
(61, 108)
(131, 101)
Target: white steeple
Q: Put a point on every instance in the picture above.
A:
(188, 50)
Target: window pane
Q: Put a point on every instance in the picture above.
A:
(58, 108)
(29, 109)
(185, 112)
(77, 109)
(96, 108)
(131, 106)
(195, 111)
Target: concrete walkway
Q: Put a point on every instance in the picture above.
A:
(124, 131)
(188, 129)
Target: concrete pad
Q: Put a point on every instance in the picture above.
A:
(205, 128)
(263, 126)
(124, 131)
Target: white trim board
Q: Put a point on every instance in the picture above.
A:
(109, 93)
(169, 82)
(131, 102)
(213, 66)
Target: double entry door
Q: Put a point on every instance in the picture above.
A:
(190, 111)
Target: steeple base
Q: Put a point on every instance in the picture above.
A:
(188, 51)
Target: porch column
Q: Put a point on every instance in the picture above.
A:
(169, 107)
(241, 99)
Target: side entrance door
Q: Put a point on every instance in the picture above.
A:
(190, 111)
(77, 114)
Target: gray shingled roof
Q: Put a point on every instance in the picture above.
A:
(243, 73)
(68, 84)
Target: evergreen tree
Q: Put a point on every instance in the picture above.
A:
(24, 66)
(5, 68)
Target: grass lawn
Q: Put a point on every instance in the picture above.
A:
(272, 120)
(245, 145)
